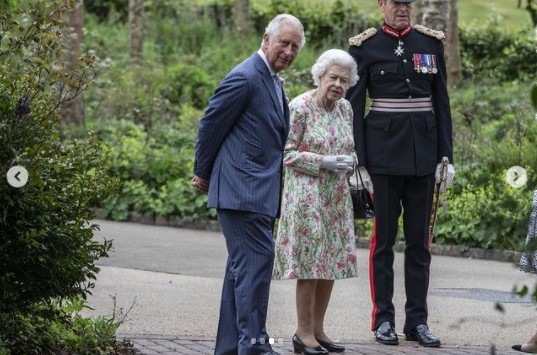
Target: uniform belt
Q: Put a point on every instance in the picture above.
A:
(402, 105)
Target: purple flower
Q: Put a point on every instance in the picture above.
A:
(23, 107)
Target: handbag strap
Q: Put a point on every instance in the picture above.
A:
(357, 174)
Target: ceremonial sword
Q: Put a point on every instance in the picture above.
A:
(443, 177)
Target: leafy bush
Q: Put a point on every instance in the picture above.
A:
(323, 28)
(64, 331)
(155, 168)
(188, 84)
(494, 124)
(489, 215)
(46, 246)
(133, 93)
(106, 9)
(495, 129)
(185, 26)
(105, 40)
(492, 51)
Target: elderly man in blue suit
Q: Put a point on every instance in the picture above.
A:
(239, 153)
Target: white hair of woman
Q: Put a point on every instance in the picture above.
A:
(335, 57)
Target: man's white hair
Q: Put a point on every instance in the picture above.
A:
(274, 27)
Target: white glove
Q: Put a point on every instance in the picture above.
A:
(450, 174)
(366, 179)
(340, 164)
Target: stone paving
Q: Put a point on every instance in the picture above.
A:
(173, 277)
(189, 346)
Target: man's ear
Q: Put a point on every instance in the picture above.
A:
(265, 39)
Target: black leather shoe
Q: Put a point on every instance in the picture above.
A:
(332, 347)
(301, 348)
(385, 334)
(526, 348)
(423, 336)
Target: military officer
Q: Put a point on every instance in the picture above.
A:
(400, 144)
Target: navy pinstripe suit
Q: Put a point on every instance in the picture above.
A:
(240, 151)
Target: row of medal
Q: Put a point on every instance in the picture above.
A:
(425, 63)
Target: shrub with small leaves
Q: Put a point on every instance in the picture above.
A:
(492, 51)
(46, 235)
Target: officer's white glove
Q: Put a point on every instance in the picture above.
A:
(366, 179)
(340, 164)
(450, 174)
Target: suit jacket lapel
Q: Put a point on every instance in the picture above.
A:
(285, 113)
(267, 80)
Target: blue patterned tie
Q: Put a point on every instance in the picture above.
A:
(278, 85)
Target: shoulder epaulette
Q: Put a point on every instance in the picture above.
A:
(360, 38)
(430, 32)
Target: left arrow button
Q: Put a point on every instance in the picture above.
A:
(17, 176)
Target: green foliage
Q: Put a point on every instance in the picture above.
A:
(534, 95)
(106, 9)
(495, 126)
(524, 291)
(84, 335)
(63, 330)
(188, 84)
(46, 246)
(323, 27)
(132, 93)
(105, 40)
(495, 129)
(494, 52)
(45, 225)
(215, 58)
(489, 215)
(185, 26)
(363, 227)
(155, 167)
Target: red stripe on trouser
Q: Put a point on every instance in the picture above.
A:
(372, 269)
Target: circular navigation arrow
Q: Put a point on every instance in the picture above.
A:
(516, 176)
(17, 176)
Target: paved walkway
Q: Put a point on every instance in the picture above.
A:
(169, 281)
(162, 345)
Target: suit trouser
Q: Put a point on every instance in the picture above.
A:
(413, 196)
(245, 293)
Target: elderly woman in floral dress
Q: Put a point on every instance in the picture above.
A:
(315, 241)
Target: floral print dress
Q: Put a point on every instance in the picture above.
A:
(315, 237)
(528, 261)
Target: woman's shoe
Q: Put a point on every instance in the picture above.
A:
(301, 348)
(526, 348)
(332, 347)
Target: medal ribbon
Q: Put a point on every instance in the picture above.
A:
(428, 60)
(417, 62)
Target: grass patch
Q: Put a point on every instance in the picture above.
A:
(506, 13)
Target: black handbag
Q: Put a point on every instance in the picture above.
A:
(361, 199)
